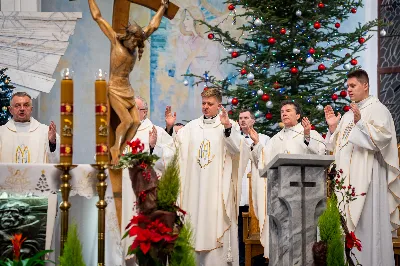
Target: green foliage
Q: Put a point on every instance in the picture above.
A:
(6, 90)
(33, 261)
(183, 254)
(168, 186)
(331, 233)
(271, 62)
(72, 249)
(132, 159)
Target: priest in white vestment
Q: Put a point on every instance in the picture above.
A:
(23, 139)
(209, 149)
(365, 148)
(294, 138)
(156, 141)
(251, 138)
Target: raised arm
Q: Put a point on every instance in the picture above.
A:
(103, 24)
(156, 20)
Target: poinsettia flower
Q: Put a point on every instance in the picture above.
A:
(352, 241)
(17, 241)
(138, 219)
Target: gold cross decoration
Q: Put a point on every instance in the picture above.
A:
(155, 4)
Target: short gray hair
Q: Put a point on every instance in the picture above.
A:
(143, 101)
(20, 94)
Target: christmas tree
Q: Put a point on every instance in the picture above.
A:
(288, 50)
(5, 96)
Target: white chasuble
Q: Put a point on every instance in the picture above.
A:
(27, 146)
(367, 154)
(165, 149)
(290, 141)
(210, 187)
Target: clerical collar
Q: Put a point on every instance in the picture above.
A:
(22, 126)
(209, 120)
(245, 135)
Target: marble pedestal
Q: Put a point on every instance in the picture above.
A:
(296, 198)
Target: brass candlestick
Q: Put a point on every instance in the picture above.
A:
(65, 188)
(101, 205)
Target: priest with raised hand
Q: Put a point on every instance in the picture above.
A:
(25, 140)
(365, 148)
(209, 151)
(294, 138)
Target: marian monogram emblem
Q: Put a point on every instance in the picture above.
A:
(204, 154)
(22, 154)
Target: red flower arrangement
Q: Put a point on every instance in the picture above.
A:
(352, 241)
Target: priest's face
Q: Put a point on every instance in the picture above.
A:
(289, 116)
(142, 109)
(21, 108)
(246, 120)
(210, 106)
(357, 89)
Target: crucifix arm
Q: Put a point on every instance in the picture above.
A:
(156, 20)
(103, 24)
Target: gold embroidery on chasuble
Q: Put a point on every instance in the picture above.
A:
(345, 135)
(204, 157)
(22, 154)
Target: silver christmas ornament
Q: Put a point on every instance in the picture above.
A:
(382, 33)
(258, 113)
(310, 60)
(250, 76)
(185, 82)
(298, 13)
(230, 50)
(320, 107)
(296, 51)
(258, 22)
(260, 92)
(347, 66)
(269, 105)
(345, 85)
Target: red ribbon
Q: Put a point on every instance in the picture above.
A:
(67, 109)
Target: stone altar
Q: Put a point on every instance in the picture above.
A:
(296, 198)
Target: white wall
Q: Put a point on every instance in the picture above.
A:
(20, 5)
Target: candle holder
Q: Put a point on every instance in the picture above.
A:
(65, 205)
(101, 205)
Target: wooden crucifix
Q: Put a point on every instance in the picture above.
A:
(155, 4)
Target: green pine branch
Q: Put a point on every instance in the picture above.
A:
(168, 186)
(72, 254)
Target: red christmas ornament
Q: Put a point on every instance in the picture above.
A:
(312, 127)
(321, 5)
(361, 40)
(265, 97)
(346, 108)
(317, 25)
(311, 50)
(294, 70)
(230, 112)
(353, 62)
(235, 101)
(353, 10)
(337, 25)
(276, 85)
(210, 36)
(282, 31)
(251, 82)
(324, 135)
(234, 54)
(268, 116)
(321, 67)
(243, 71)
(343, 94)
(271, 40)
(231, 7)
(348, 55)
(334, 97)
